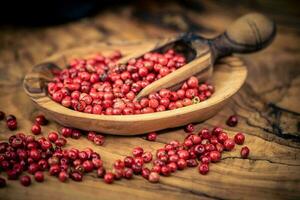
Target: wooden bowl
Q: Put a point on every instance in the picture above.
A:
(229, 75)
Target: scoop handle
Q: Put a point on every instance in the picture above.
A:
(247, 34)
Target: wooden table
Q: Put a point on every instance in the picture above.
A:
(267, 105)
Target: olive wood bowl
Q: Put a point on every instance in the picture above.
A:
(228, 77)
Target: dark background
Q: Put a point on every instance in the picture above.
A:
(50, 12)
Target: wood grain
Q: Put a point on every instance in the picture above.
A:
(267, 106)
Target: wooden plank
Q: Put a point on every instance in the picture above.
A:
(267, 106)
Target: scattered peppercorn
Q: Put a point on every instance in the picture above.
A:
(151, 136)
(245, 152)
(232, 121)
(47, 154)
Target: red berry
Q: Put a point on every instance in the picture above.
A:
(196, 139)
(192, 82)
(151, 136)
(189, 128)
(39, 176)
(25, 180)
(188, 143)
(222, 137)
(57, 96)
(174, 143)
(91, 135)
(145, 173)
(161, 152)
(118, 173)
(181, 164)
(76, 134)
(153, 177)
(239, 138)
(36, 129)
(169, 147)
(172, 166)
(147, 157)
(78, 168)
(53, 136)
(203, 169)
(98, 140)
(128, 161)
(214, 140)
(63, 176)
(17, 143)
(245, 152)
(66, 132)
(12, 174)
(128, 173)
(66, 101)
(53, 160)
(35, 154)
(46, 145)
(164, 71)
(119, 164)
(76, 176)
(153, 103)
(139, 160)
(41, 120)
(199, 149)
(109, 178)
(101, 172)
(97, 109)
(97, 163)
(12, 124)
(184, 154)
(204, 133)
(205, 159)
(33, 167)
(232, 121)
(215, 156)
(137, 151)
(173, 158)
(217, 130)
(88, 166)
(191, 162)
(137, 168)
(156, 168)
(209, 147)
(229, 144)
(219, 147)
(60, 142)
(143, 72)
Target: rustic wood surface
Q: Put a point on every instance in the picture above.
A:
(267, 105)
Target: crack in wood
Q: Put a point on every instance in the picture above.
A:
(260, 159)
(270, 132)
(195, 192)
(279, 109)
(276, 111)
(168, 187)
(271, 113)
